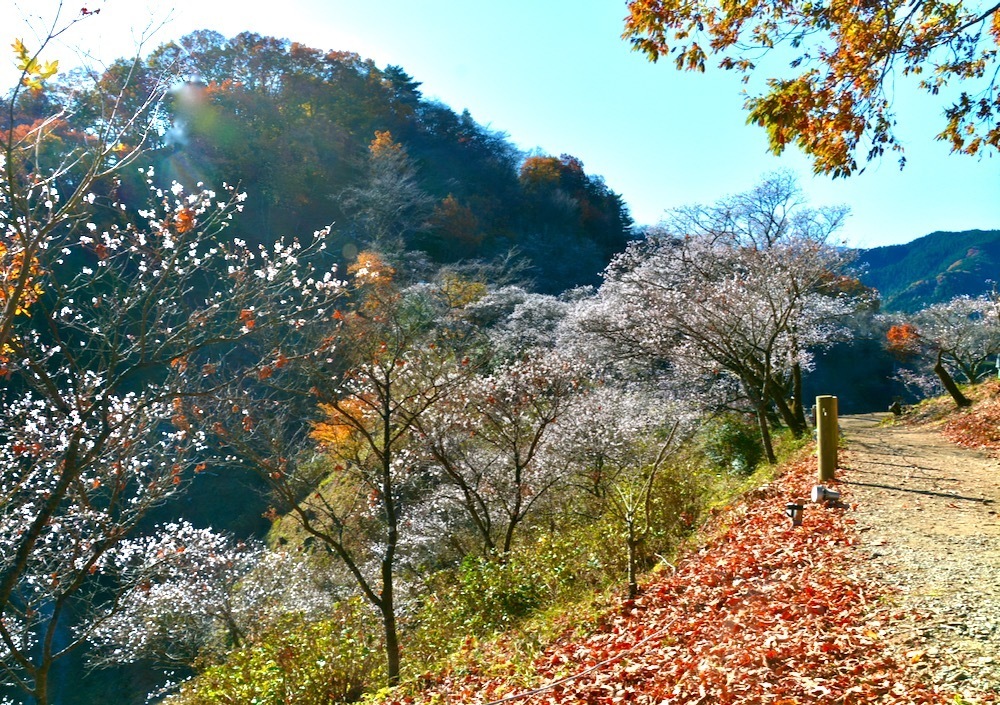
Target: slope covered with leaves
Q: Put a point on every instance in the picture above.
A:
(764, 612)
(978, 426)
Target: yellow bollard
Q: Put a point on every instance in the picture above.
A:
(827, 436)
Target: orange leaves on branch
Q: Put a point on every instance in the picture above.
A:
(691, 58)
(384, 145)
(342, 420)
(849, 55)
(179, 417)
(903, 339)
(247, 318)
(537, 170)
(370, 268)
(456, 222)
(376, 278)
(184, 221)
(18, 280)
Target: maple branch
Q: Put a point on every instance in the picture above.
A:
(977, 20)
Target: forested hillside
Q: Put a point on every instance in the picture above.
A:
(933, 268)
(317, 137)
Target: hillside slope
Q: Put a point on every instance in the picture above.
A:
(888, 596)
(933, 268)
(765, 612)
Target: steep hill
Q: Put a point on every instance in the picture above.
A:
(316, 137)
(933, 268)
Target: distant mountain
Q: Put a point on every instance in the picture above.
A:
(933, 268)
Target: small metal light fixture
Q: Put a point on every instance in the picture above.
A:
(794, 512)
(821, 493)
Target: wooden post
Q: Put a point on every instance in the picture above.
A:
(827, 436)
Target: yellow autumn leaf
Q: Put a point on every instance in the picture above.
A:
(34, 73)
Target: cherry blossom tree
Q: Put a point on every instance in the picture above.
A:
(492, 438)
(517, 320)
(618, 440)
(49, 171)
(965, 331)
(774, 213)
(364, 499)
(960, 336)
(744, 294)
(187, 593)
(107, 374)
(179, 598)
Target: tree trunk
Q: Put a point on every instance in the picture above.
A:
(391, 640)
(387, 598)
(758, 398)
(765, 435)
(41, 691)
(776, 394)
(797, 407)
(949, 384)
(515, 514)
(633, 549)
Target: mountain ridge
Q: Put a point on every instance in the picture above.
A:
(932, 268)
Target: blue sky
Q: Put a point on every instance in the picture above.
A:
(555, 75)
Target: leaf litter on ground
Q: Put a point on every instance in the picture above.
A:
(764, 612)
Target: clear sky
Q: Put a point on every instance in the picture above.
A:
(555, 75)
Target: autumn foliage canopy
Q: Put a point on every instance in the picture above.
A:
(834, 97)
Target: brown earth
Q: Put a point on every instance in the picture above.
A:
(927, 513)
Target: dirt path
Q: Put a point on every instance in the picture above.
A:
(927, 510)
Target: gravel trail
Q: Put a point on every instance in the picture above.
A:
(926, 511)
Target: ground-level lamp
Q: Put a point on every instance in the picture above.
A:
(794, 512)
(821, 493)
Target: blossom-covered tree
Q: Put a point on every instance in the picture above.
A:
(49, 169)
(107, 378)
(738, 291)
(115, 325)
(617, 440)
(492, 437)
(960, 336)
(517, 321)
(190, 593)
(364, 498)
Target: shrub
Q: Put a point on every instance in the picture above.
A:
(483, 596)
(732, 444)
(296, 661)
